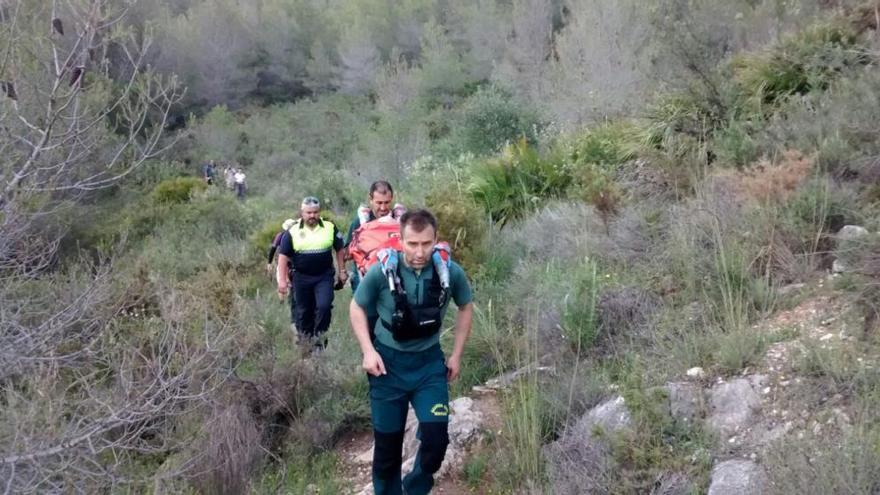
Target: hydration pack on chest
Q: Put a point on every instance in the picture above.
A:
(417, 321)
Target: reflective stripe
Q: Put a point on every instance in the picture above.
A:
(317, 240)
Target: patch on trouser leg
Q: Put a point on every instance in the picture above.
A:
(387, 454)
(440, 410)
(435, 439)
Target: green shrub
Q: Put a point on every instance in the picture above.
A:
(817, 208)
(517, 182)
(153, 172)
(475, 469)
(178, 190)
(595, 186)
(487, 120)
(608, 145)
(263, 237)
(461, 223)
(801, 63)
(657, 444)
(689, 113)
(739, 349)
(736, 144)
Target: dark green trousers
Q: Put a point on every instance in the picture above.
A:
(417, 378)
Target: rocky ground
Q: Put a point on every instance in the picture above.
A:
(746, 412)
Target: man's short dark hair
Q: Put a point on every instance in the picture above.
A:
(418, 220)
(381, 187)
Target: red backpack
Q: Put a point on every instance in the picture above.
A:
(372, 237)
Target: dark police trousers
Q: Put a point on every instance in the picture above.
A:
(314, 302)
(418, 378)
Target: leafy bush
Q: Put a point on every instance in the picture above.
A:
(461, 222)
(489, 119)
(607, 145)
(178, 190)
(263, 237)
(517, 182)
(736, 144)
(596, 187)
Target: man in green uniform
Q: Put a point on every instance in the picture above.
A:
(405, 364)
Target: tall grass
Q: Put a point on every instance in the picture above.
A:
(580, 320)
(525, 429)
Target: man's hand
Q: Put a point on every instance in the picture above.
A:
(282, 291)
(270, 270)
(373, 363)
(453, 365)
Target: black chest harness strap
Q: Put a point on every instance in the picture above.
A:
(417, 321)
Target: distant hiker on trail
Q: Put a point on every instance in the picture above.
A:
(406, 364)
(380, 199)
(240, 183)
(208, 172)
(309, 245)
(229, 175)
(270, 268)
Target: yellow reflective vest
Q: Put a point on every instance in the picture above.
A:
(312, 241)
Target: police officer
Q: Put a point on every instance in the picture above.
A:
(405, 364)
(310, 244)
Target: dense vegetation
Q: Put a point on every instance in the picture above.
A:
(627, 183)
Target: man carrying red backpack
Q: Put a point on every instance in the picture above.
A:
(380, 201)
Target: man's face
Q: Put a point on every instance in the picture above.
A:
(380, 203)
(418, 246)
(310, 214)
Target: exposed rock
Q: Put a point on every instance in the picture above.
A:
(685, 400)
(506, 380)
(610, 415)
(580, 460)
(732, 406)
(737, 477)
(696, 372)
(850, 232)
(838, 266)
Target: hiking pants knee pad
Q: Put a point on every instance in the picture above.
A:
(435, 439)
(387, 454)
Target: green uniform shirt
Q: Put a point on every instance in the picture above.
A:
(374, 295)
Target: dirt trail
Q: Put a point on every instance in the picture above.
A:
(355, 467)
